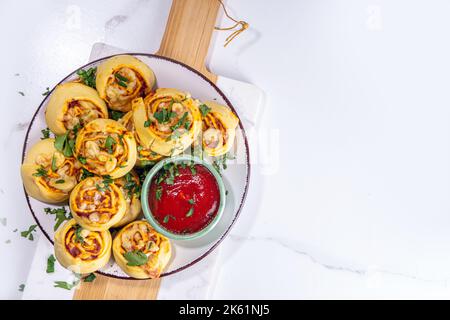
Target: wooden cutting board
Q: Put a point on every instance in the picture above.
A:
(186, 38)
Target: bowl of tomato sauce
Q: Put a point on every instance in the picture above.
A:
(183, 197)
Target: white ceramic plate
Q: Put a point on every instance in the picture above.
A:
(169, 74)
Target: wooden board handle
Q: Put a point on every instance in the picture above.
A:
(188, 33)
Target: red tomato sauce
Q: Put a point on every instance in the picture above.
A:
(187, 202)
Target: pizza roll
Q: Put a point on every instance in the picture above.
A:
(121, 79)
(97, 203)
(219, 125)
(140, 251)
(130, 186)
(73, 105)
(105, 147)
(167, 122)
(47, 174)
(81, 250)
(145, 156)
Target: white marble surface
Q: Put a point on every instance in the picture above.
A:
(350, 198)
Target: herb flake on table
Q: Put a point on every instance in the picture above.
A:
(61, 215)
(88, 76)
(29, 233)
(21, 93)
(135, 258)
(46, 93)
(51, 264)
(90, 277)
(66, 285)
(21, 287)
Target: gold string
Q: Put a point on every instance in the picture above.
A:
(244, 26)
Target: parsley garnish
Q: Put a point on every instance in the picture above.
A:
(78, 237)
(54, 167)
(66, 285)
(86, 174)
(46, 92)
(40, 172)
(135, 258)
(21, 93)
(105, 184)
(121, 80)
(60, 181)
(116, 115)
(131, 185)
(109, 144)
(158, 193)
(180, 122)
(191, 201)
(167, 217)
(82, 159)
(204, 109)
(21, 287)
(88, 76)
(190, 212)
(29, 233)
(164, 115)
(61, 215)
(45, 133)
(147, 123)
(51, 264)
(64, 144)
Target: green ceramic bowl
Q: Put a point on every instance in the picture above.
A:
(148, 213)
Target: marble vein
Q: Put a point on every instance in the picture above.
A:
(332, 267)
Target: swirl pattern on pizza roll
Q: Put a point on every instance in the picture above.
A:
(167, 122)
(105, 147)
(140, 251)
(123, 78)
(47, 174)
(219, 128)
(145, 156)
(97, 203)
(73, 105)
(130, 186)
(81, 250)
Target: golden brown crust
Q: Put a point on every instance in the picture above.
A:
(81, 250)
(140, 236)
(97, 204)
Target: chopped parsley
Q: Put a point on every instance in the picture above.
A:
(29, 233)
(191, 201)
(90, 277)
(78, 237)
(21, 287)
(21, 93)
(54, 167)
(45, 133)
(40, 172)
(60, 181)
(116, 115)
(204, 109)
(190, 212)
(147, 123)
(164, 115)
(64, 144)
(88, 76)
(135, 258)
(86, 174)
(158, 193)
(61, 215)
(167, 217)
(180, 122)
(132, 187)
(82, 159)
(51, 264)
(109, 143)
(47, 91)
